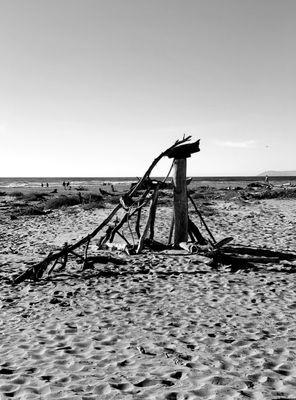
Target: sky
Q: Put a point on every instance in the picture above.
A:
(101, 87)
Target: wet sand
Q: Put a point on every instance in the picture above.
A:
(160, 326)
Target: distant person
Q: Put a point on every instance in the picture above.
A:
(47, 185)
(267, 180)
(64, 185)
(42, 184)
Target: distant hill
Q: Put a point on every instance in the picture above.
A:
(278, 173)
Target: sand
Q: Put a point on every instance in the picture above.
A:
(160, 326)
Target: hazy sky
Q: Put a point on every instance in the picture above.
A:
(100, 87)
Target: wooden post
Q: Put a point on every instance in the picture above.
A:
(180, 201)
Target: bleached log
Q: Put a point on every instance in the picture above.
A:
(118, 246)
(190, 247)
(260, 252)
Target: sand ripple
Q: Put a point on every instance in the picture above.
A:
(160, 327)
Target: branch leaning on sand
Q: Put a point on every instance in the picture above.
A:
(37, 270)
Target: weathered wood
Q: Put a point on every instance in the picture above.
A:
(106, 237)
(53, 266)
(153, 214)
(59, 254)
(184, 151)
(85, 254)
(76, 254)
(180, 201)
(196, 232)
(65, 260)
(139, 213)
(118, 246)
(154, 163)
(138, 222)
(241, 261)
(223, 242)
(171, 230)
(202, 219)
(147, 225)
(260, 252)
(141, 203)
(124, 238)
(190, 247)
(192, 238)
(63, 253)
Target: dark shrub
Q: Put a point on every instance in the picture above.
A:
(17, 194)
(92, 197)
(35, 196)
(62, 201)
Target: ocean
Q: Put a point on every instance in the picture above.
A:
(21, 182)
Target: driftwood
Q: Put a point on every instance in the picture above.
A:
(202, 219)
(36, 271)
(85, 254)
(129, 213)
(218, 252)
(146, 228)
(183, 151)
(241, 257)
(194, 231)
(190, 247)
(118, 246)
(138, 221)
(155, 162)
(289, 256)
(153, 214)
(180, 201)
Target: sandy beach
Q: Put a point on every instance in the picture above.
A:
(161, 325)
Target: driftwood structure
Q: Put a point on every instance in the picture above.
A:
(145, 193)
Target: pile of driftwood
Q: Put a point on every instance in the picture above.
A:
(145, 193)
